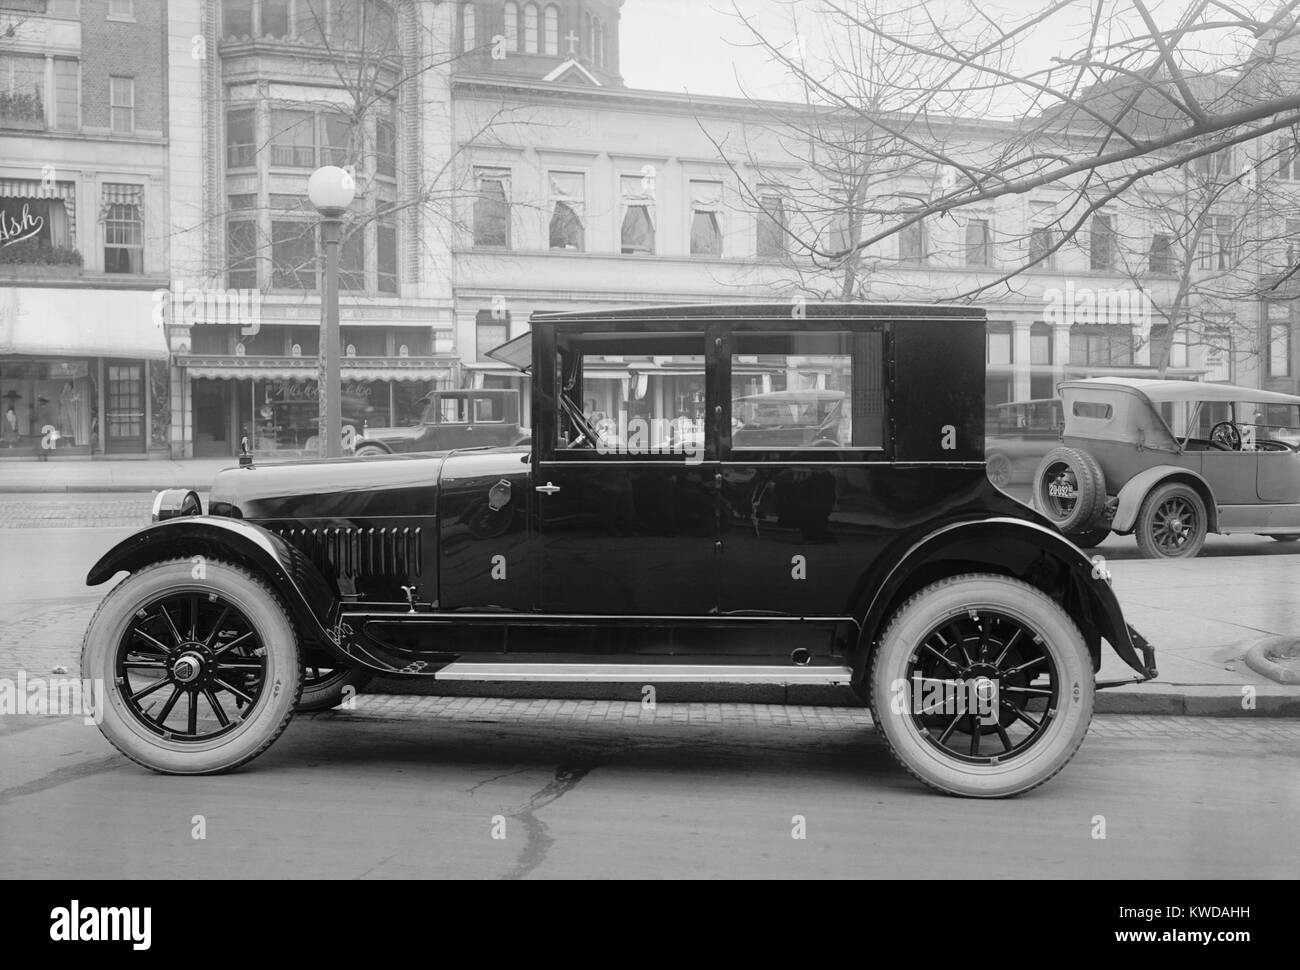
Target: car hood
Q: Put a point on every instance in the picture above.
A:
(391, 485)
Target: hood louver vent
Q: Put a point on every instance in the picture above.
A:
(361, 553)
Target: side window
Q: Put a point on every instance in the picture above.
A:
(632, 396)
(805, 391)
(453, 410)
(487, 410)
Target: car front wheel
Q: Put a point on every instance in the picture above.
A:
(200, 675)
(371, 451)
(1172, 523)
(982, 686)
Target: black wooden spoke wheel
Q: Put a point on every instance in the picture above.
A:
(982, 686)
(201, 674)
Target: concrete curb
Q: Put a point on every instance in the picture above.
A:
(1258, 661)
(1220, 700)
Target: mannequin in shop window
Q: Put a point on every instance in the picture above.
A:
(9, 427)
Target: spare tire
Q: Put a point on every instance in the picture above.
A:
(1070, 489)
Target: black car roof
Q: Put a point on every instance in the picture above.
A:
(765, 311)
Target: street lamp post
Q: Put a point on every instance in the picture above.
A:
(331, 190)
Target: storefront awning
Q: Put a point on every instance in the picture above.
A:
(308, 368)
(75, 322)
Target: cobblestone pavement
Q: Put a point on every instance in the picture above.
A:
(75, 511)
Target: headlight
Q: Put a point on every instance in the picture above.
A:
(172, 503)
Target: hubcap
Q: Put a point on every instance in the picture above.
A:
(190, 666)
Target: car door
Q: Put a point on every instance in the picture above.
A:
(627, 523)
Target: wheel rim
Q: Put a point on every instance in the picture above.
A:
(1060, 490)
(190, 667)
(997, 683)
(1174, 525)
(1000, 471)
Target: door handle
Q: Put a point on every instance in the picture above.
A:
(548, 489)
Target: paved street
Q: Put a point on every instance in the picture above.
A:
(417, 786)
(406, 787)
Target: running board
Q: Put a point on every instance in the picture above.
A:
(643, 673)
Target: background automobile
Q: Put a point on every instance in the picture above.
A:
(452, 419)
(1170, 462)
(1018, 435)
(885, 561)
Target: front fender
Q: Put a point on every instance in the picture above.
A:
(1025, 550)
(310, 598)
(1136, 489)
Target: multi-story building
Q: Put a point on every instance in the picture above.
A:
(83, 226)
(504, 167)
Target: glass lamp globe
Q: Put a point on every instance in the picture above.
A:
(331, 190)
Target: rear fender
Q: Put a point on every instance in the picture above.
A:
(1136, 489)
(311, 599)
(1024, 550)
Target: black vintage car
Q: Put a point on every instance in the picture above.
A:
(451, 419)
(647, 535)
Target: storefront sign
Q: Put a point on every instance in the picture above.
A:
(22, 219)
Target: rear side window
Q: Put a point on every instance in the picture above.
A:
(1092, 409)
(803, 391)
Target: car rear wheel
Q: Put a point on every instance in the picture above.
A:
(369, 451)
(1284, 538)
(1172, 523)
(200, 676)
(1070, 489)
(324, 688)
(982, 686)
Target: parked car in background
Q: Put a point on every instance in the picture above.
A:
(1171, 462)
(788, 419)
(1017, 436)
(452, 419)
(885, 561)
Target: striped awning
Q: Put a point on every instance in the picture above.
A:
(308, 368)
(119, 193)
(65, 192)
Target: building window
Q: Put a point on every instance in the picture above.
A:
(1160, 258)
(1106, 345)
(1214, 163)
(385, 146)
(1215, 249)
(567, 191)
(1288, 160)
(913, 245)
(706, 218)
(1041, 253)
(345, 25)
(491, 330)
(1291, 242)
(998, 349)
(600, 43)
(386, 256)
(293, 143)
(122, 214)
(530, 28)
(1102, 242)
(240, 138)
(293, 254)
(637, 233)
(121, 9)
(591, 37)
(122, 102)
(65, 9)
(276, 19)
(771, 243)
(467, 27)
(1040, 345)
(67, 94)
(979, 242)
(512, 27)
(22, 91)
(492, 208)
(241, 254)
(1218, 353)
(336, 140)
(1279, 350)
(352, 260)
(551, 36)
(309, 20)
(237, 19)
